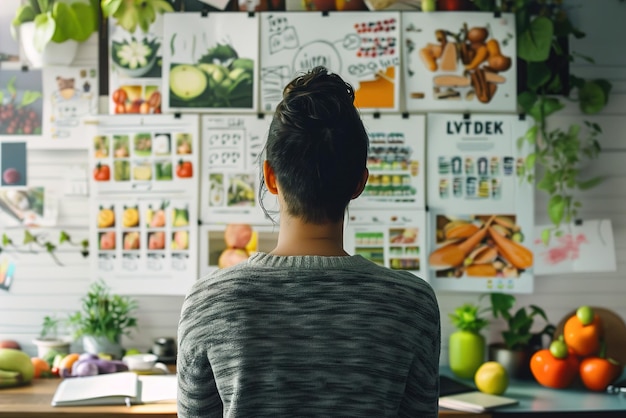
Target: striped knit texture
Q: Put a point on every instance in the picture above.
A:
(309, 336)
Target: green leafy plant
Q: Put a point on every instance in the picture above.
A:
(50, 327)
(39, 240)
(467, 318)
(518, 335)
(104, 314)
(543, 27)
(58, 20)
(130, 14)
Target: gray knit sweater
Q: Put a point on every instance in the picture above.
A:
(309, 336)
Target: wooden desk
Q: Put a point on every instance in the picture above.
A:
(33, 401)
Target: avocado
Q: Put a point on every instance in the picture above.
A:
(187, 82)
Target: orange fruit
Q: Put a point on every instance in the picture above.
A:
(41, 366)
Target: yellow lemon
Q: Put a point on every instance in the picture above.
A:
(491, 377)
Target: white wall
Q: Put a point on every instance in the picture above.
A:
(41, 287)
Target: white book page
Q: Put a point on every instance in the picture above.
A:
(158, 388)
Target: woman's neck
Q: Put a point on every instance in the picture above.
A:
(299, 238)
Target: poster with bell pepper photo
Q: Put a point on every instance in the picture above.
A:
(210, 62)
(481, 206)
(362, 47)
(395, 161)
(390, 238)
(145, 245)
(151, 153)
(70, 94)
(135, 60)
(21, 105)
(457, 61)
(231, 168)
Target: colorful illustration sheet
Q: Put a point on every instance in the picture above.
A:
(457, 61)
(21, 105)
(28, 206)
(362, 47)
(390, 238)
(13, 165)
(395, 162)
(586, 246)
(231, 169)
(151, 153)
(144, 193)
(135, 69)
(481, 210)
(210, 62)
(146, 244)
(7, 271)
(70, 94)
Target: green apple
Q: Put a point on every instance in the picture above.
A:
(558, 349)
(17, 361)
(585, 314)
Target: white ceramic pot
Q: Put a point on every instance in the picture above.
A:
(45, 345)
(54, 53)
(102, 345)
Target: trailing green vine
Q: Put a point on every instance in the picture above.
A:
(33, 243)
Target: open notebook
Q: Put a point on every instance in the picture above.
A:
(475, 401)
(124, 388)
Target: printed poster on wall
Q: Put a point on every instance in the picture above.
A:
(481, 210)
(231, 170)
(21, 105)
(210, 62)
(70, 94)
(362, 47)
(144, 195)
(392, 238)
(457, 61)
(135, 69)
(395, 162)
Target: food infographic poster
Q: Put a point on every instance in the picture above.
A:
(456, 61)
(70, 94)
(231, 169)
(480, 209)
(21, 105)
(135, 61)
(581, 247)
(362, 47)
(210, 62)
(392, 238)
(396, 162)
(134, 153)
(144, 244)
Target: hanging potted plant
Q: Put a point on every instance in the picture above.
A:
(50, 30)
(132, 14)
(49, 339)
(103, 319)
(466, 349)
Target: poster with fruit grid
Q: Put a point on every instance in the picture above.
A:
(480, 207)
(135, 61)
(456, 61)
(362, 47)
(395, 162)
(210, 63)
(231, 170)
(145, 202)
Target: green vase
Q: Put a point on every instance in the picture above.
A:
(466, 353)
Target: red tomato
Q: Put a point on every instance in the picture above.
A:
(102, 172)
(554, 372)
(597, 372)
(120, 96)
(583, 339)
(184, 169)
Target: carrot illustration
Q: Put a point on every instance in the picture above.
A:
(454, 254)
(518, 255)
(481, 270)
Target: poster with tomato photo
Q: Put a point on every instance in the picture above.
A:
(231, 169)
(211, 62)
(70, 94)
(481, 210)
(145, 244)
(457, 61)
(395, 161)
(362, 47)
(135, 60)
(21, 105)
(392, 238)
(151, 153)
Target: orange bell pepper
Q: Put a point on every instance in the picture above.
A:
(557, 373)
(583, 339)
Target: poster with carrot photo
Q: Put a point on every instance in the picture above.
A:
(135, 60)
(455, 61)
(21, 105)
(362, 47)
(210, 62)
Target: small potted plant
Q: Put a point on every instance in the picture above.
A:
(49, 339)
(104, 318)
(466, 350)
(519, 343)
(50, 30)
